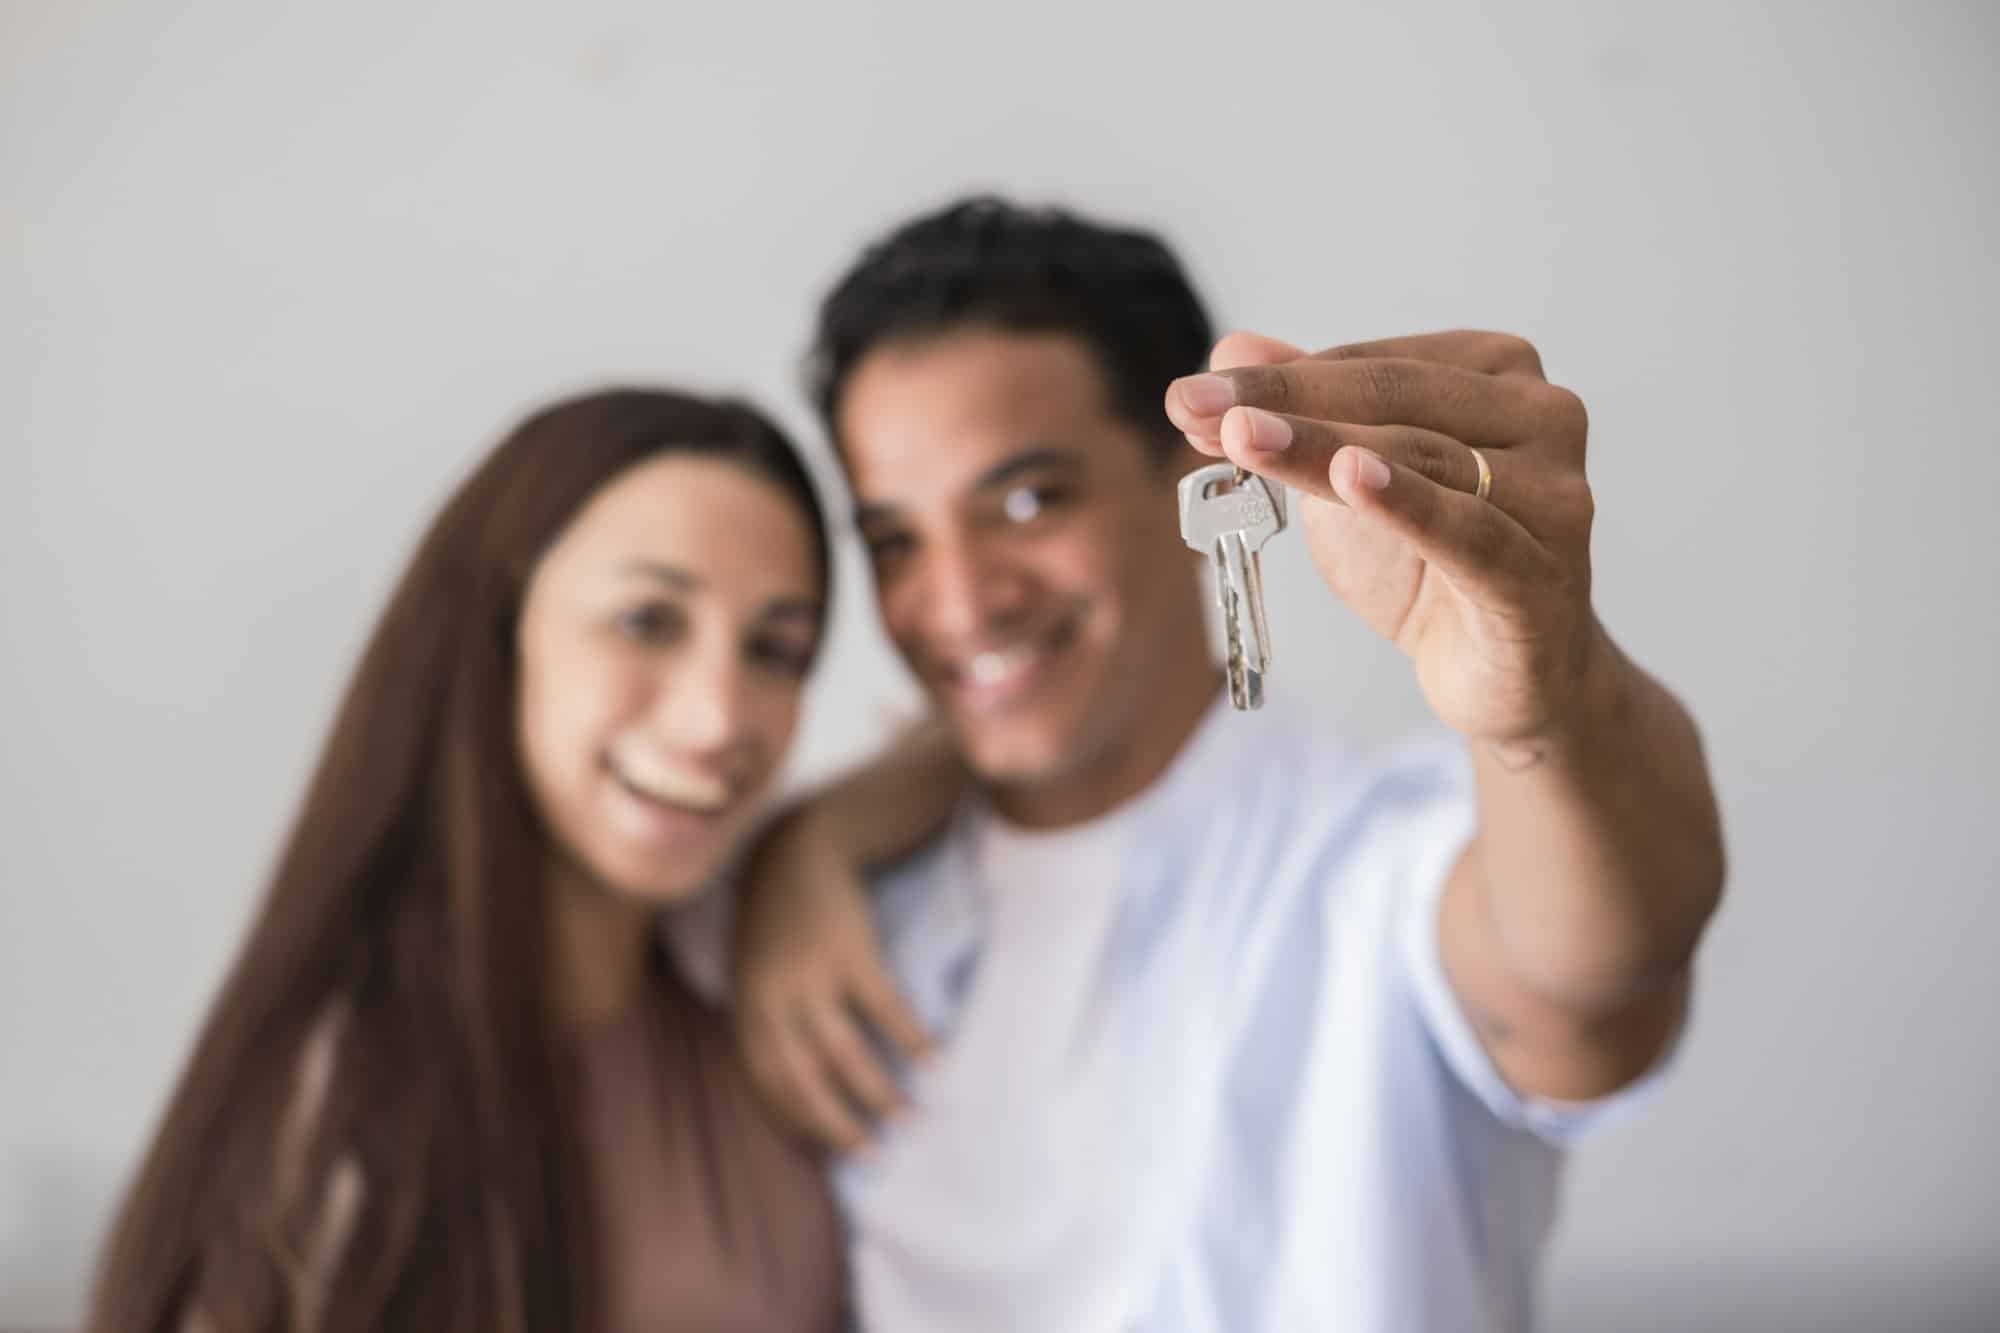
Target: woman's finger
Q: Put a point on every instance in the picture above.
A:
(852, 1061)
(815, 1097)
(881, 1001)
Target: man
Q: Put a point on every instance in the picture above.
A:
(1236, 1028)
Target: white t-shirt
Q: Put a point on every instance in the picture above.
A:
(1200, 1067)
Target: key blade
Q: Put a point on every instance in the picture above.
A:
(1235, 567)
(1253, 569)
(1237, 669)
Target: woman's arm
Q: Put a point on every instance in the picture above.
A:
(807, 966)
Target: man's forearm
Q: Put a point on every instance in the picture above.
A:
(1599, 852)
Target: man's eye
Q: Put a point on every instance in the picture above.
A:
(653, 623)
(1025, 504)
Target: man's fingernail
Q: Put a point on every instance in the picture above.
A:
(1207, 395)
(1369, 469)
(1268, 431)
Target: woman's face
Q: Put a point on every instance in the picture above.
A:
(663, 644)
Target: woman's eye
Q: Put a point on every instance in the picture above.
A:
(781, 654)
(653, 623)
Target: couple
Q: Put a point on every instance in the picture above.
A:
(1210, 1022)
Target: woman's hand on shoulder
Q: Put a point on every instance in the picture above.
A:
(809, 982)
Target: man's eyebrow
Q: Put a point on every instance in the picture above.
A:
(681, 580)
(1043, 458)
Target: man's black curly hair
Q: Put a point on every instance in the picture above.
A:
(987, 263)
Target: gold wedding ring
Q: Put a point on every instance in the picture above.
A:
(1485, 486)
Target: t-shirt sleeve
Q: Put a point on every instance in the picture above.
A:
(1436, 814)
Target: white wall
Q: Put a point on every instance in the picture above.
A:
(274, 274)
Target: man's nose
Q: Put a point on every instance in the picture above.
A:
(968, 590)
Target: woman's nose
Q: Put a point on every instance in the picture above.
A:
(701, 701)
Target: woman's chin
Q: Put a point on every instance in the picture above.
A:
(645, 881)
(645, 876)
(660, 891)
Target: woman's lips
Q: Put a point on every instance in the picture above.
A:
(670, 806)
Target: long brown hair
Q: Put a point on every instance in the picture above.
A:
(409, 900)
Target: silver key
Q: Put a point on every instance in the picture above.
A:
(1228, 514)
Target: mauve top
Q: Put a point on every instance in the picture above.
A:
(712, 1216)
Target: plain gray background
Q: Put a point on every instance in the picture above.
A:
(275, 274)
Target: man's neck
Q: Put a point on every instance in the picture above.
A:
(1163, 722)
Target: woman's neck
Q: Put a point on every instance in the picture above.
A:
(601, 946)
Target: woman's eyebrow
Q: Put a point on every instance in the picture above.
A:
(681, 580)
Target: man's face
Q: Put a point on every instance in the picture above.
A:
(1026, 546)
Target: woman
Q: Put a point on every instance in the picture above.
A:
(452, 1083)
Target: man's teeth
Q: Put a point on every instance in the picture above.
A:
(997, 665)
(674, 785)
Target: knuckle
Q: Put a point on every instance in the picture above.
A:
(1427, 456)
(1385, 382)
(1264, 386)
(1510, 352)
(1568, 417)
(1576, 501)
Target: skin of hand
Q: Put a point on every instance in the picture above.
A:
(1569, 926)
(809, 978)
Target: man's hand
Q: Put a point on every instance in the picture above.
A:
(807, 974)
(1569, 923)
(1490, 598)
